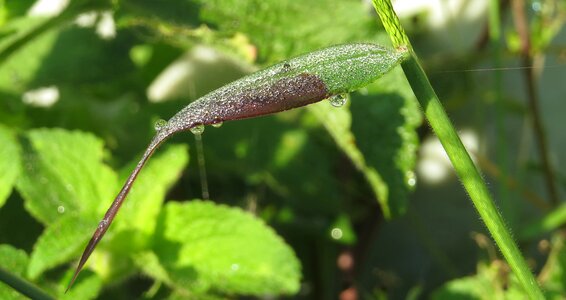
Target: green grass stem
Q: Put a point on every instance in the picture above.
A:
(463, 164)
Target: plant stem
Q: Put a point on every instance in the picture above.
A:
(23, 286)
(501, 144)
(463, 164)
(522, 28)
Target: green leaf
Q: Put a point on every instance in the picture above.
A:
(148, 193)
(149, 263)
(86, 287)
(59, 243)
(492, 281)
(282, 28)
(551, 221)
(14, 261)
(208, 247)
(378, 134)
(17, 72)
(63, 173)
(553, 275)
(485, 285)
(9, 163)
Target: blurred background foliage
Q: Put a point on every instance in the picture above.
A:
(317, 203)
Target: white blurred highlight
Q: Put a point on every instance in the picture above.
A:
(86, 19)
(440, 12)
(47, 8)
(41, 97)
(106, 27)
(434, 166)
(103, 21)
(174, 79)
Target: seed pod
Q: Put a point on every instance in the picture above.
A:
(293, 83)
(296, 82)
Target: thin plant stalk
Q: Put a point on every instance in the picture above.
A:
(23, 286)
(501, 144)
(463, 164)
(522, 26)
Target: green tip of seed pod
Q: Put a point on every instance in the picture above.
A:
(357, 65)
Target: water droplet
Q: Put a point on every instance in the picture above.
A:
(60, 209)
(217, 124)
(160, 124)
(336, 233)
(338, 100)
(286, 67)
(197, 129)
(102, 223)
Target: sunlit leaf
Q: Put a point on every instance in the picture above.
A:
(148, 193)
(60, 242)
(553, 274)
(9, 163)
(14, 261)
(284, 28)
(204, 246)
(63, 173)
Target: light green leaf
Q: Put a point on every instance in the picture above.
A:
(15, 261)
(205, 247)
(551, 221)
(484, 285)
(60, 242)
(553, 275)
(63, 173)
(88, 286)
(9, 163)
(148, 193)
(149, 263)
(18, 71)
(490, 282)
(378, 134)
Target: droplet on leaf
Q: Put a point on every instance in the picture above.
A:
(217, 124)
(160, 124)
(338, 100)
(197, 129)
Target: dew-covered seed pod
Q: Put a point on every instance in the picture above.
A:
(293, 83)
(296, 82)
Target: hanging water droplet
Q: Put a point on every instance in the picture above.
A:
(160, 124)
(197, 129)
(217, 124)
(103, 223)
(338, 100)
(60, 209)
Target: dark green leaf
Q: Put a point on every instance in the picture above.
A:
(378, 134)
